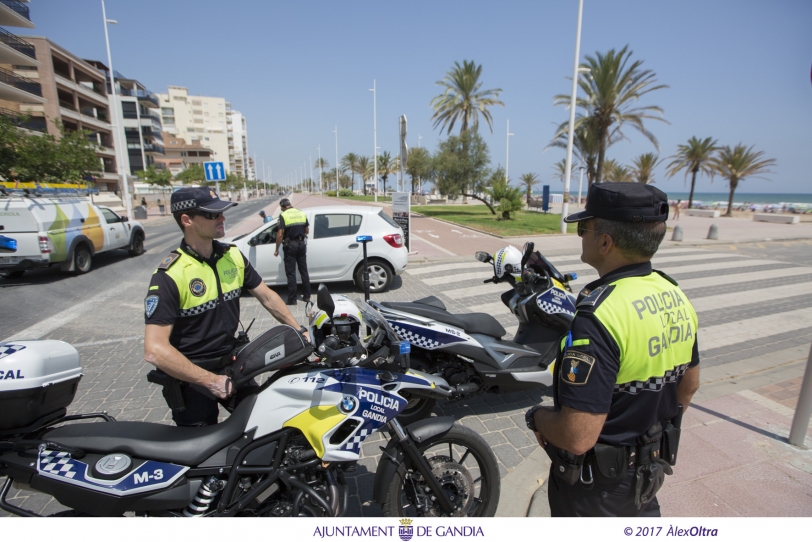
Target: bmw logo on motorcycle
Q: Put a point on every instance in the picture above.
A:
(348, 404)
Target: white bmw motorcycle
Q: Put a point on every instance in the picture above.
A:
(283, 451)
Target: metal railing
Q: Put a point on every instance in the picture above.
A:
(19, 7)
(37, 124)
(17, 44)
(10, 78)
(149, 147)
(140, 94)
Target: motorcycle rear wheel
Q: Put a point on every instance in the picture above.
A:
(467, 469)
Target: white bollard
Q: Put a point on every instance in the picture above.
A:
(713, 232)
(677, 233)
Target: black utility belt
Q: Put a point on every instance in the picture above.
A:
(296, 240)
(214, 364)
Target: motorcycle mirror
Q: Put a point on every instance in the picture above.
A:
(527, 251)
(483, 256)
(324, 301)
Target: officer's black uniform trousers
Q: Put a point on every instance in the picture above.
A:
(579, 500)
(296, 255)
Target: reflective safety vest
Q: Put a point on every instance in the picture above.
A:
(293, 217)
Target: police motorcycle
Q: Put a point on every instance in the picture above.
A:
(468, 350)
(284, 450)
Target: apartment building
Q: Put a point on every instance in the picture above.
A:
(139, 114)
(76, 97)
(19, 95)
(179, 154)
(196, 118)
(237, 143)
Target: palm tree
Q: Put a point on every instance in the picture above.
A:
(643, 170)
(614, 172)
(350, 163)
(387, 166)
(529, 180)
(612, 89)
(560, 169)
(321, 165)
(363, 167)
(462, 100)
(737, 164)
(694, 157)
(585, 144)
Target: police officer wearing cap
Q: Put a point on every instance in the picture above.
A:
(626, 370)
(293, 230)
(192, 310)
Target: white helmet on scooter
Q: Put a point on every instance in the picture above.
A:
(507, 264)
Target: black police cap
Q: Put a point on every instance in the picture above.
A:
(198, 199)
(285, 202)
(624, 202)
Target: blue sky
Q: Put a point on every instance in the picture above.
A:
(737, 70)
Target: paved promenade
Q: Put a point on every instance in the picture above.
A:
(755, 315)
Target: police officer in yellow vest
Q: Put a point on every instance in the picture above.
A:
(292, 232)
(192, 310)
(627, 369)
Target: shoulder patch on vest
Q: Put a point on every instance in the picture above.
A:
(576, 368)
(666, 277)
(595, 297)
(167, 262)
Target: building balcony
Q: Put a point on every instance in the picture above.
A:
(36, 124)
(13, 13)
(14, 50)
(147, 98)
(85, 90)
(151, 148)
(19, 89)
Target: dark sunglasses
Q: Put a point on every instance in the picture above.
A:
(581, 229)
(210, 216)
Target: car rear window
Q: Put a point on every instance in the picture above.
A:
(389, 220)
(335, 225)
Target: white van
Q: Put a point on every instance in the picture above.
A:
(65, 230)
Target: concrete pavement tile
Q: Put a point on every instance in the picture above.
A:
(692, 500)
(731, 405)
(502, 470)
(762, 489)
(475, 424)
(507, 455)
(695, 416)
(798, 467)
(494, 438)
(697, 459)
(498, 424)
(527, 450)
(520, 437)
(134, 415)
(742, 444)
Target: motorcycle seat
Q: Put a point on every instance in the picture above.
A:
(180, 445)
(475, 322)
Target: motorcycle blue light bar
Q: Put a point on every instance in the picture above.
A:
(574, 276)
(405, 347)
(363, 238)
(7, 244)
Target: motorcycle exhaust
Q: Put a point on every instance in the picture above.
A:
(463, 389)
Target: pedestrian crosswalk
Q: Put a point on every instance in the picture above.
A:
(744, 298)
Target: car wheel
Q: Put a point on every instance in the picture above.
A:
(380, 276)
(138, 245)
(81, 260)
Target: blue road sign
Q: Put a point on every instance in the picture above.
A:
(214, 171)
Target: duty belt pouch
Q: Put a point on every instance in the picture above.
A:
(171, 389)
(670, 444)
(611, 463)
(566, 465)
(279, 347)
(650, 468)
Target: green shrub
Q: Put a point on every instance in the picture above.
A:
(330, 193)
(345, 193)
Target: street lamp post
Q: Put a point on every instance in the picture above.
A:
(321, 168)
(580, 185)
(336, 132)
(116, 126)
(375, 135)
(568, 166)
(507, 151)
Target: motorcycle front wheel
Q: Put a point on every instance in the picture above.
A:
(467, 470)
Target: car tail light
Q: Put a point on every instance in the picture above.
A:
(45, 245)
(394, 239)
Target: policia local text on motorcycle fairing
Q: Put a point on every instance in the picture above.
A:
(626, 370)
(192, 309)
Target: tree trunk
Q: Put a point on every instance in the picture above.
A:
(733, 185)
(691, 195)
(474, 196)
(601, 154)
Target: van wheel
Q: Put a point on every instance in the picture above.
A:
(81, 260)
(14, 274)
(380, 276)
(138, 245)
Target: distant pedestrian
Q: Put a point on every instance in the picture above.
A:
(265, 218)
(144, 203)
(677, 207)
